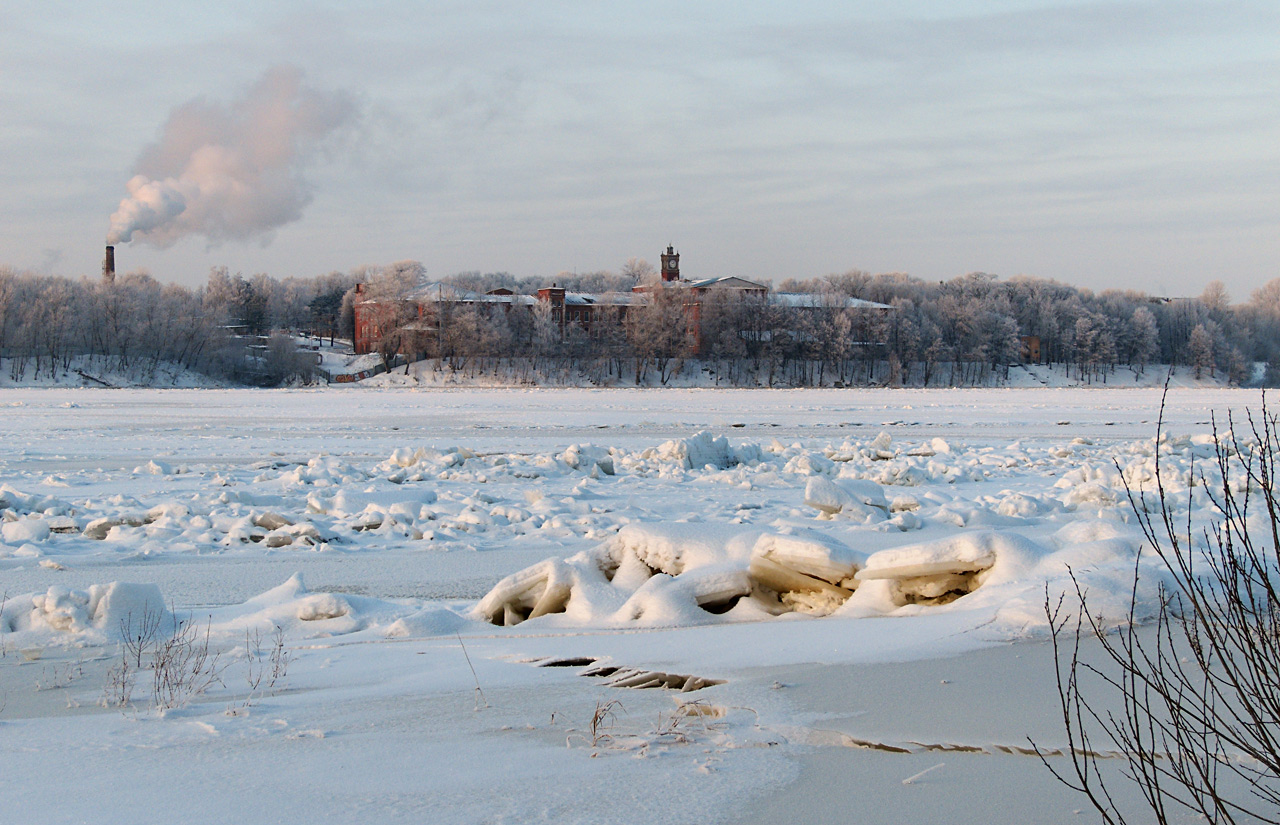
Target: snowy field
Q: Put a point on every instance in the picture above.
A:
(514, 606)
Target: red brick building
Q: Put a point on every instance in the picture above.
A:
(403, 323)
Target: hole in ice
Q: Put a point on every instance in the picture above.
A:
(720, 607)
(573, 661)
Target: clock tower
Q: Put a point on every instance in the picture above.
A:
(670, 264)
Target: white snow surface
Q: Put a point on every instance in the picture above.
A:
(384, 536)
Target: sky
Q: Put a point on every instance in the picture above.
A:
(1110, 144)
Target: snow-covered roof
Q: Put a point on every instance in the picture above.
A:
(448, 292)
(602, 298)
(725, 282)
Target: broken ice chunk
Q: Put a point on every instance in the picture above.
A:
(810, 464)
(674, 547)
(666, 599)
(808, 574)
(697, 451)
(535, 591)
(851, 496)
(271, 521)
(934, 573)
(100, 527)
(812, 556)
(587, 457)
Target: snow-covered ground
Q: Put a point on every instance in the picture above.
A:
(98, 372)
(847, 584)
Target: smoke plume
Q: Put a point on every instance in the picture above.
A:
(231, 171)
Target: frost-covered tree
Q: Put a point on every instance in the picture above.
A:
(1200, 350)
(638, 271)
(1144, 338)
(659, 332)
(1215, 298)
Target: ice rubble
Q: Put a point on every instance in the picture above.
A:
(861, 499)
(437, 494)
(702, 450)
(661, 574)
(679, 573)
(813, 529)
(657, 573)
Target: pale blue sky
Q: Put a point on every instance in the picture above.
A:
(1129, 144)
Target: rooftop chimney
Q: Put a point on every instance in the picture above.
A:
(109, 266)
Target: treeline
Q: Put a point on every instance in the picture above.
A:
(228, 330)
(965, 331)
(976, 323)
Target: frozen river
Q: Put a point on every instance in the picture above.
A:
(91, 440)
(672, 535)
(63, 430)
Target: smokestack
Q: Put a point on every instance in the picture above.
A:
(109, 266)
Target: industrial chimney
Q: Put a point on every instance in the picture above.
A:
(109, 266)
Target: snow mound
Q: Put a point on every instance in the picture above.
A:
(32, 528)
(433, 621)
(102, 613)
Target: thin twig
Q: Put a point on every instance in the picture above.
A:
(480, 697)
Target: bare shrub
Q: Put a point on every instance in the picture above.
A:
(1189, 705)
(121, 679)
(686, 721)
(184, 666)
(140, 634)
(265, 669)
(59, 676)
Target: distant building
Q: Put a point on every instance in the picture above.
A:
(421, 314)
(418, 314)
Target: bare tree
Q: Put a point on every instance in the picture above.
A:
(1191, 706)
